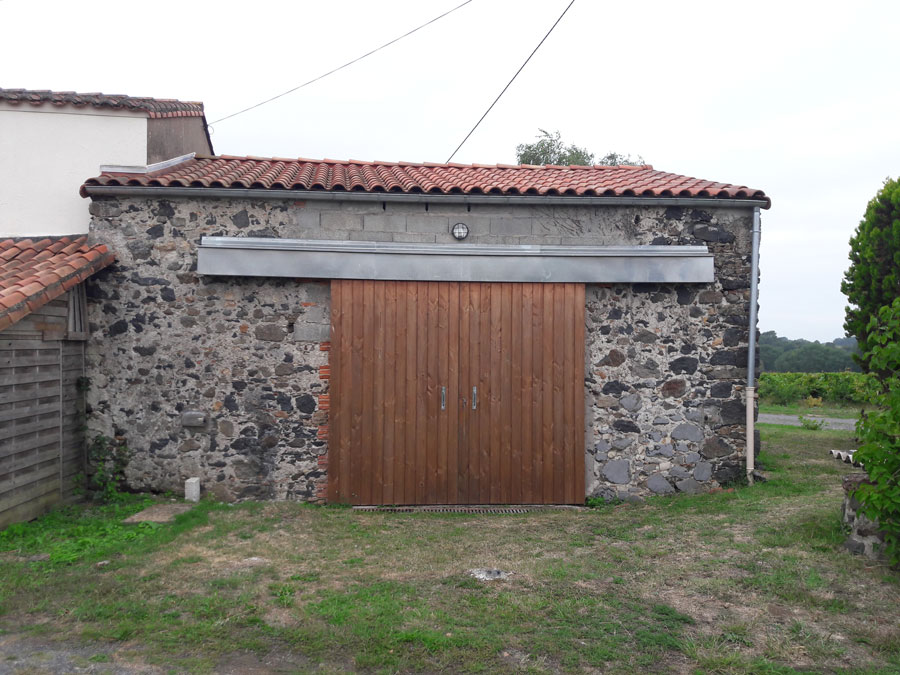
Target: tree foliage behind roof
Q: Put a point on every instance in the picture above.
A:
(873, 280)
(549, 148)
(782, 355)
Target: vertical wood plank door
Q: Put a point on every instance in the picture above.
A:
(456, 393)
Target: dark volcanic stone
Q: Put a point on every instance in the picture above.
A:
(626, 426)
(728, 472)
(723, 357)
(615, 388)
(119, 327)
(685, 295)
(241, 219)
(687, 432)
(732, 337)
(140, 250)
(617, 471)
(684, 364)
(658, 484)
(733, 284)
(733, 411)
(720, 390)
(710, 297)
(270, 332)
(305, 403)
(164, 209)
(688, 485)
(715, 447)
(673, 388)
(614, 358)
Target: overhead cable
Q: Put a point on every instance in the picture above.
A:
(349, 63)
(490, 107)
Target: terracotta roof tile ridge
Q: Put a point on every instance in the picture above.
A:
(37, 272)
(430, 165)
(154, 107)
(332, 175)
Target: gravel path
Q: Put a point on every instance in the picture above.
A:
(842, 424)
(22, 654)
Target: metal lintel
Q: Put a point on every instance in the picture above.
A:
(297, 258)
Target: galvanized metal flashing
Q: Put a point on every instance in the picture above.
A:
(150, 168)
(299, 258)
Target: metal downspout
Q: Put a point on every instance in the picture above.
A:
(750, 399)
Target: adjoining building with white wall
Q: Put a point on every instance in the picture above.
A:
(64, 136)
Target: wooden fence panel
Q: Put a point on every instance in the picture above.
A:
(41, 415)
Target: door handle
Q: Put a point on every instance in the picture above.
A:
(443, 398)
(474, 398)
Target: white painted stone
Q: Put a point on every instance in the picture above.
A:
(192, 489)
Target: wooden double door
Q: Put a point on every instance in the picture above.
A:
(456, 393)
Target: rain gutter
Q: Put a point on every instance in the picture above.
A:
(415, 198)
(750, 400)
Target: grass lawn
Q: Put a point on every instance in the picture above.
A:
(749, 581)
(824, 410)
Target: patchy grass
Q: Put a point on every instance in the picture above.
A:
(749, 581)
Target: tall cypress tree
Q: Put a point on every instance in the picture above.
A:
(873, 279)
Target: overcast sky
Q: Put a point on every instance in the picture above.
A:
(800, 99)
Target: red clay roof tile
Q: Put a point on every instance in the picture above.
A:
(34, 273)
(154, 107)
(406, 177)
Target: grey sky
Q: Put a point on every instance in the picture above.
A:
(797, 98)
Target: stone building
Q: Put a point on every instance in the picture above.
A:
(422, 333)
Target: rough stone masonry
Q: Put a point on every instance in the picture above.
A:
(664, 376)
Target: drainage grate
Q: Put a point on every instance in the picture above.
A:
(500, 510)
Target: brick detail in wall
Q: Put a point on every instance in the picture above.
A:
(323, 407)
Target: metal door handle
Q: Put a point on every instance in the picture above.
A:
(443, 398)
(474, 398)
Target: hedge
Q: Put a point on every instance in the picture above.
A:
(846, 387)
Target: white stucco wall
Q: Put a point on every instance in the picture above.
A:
(46, 153)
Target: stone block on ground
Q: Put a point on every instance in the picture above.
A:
(159, 513)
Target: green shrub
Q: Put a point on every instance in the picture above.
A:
(811, 424)
(788, 388)
(873, 280)
(107, 459)
(879, 430)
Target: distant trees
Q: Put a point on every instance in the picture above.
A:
(550, 149)
(873, 279)
(781, 355)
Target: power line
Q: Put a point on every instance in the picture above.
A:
(510, 82)
(349, 63)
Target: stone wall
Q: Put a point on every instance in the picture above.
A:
(668, 366)
(865, 537)
(664, 362)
